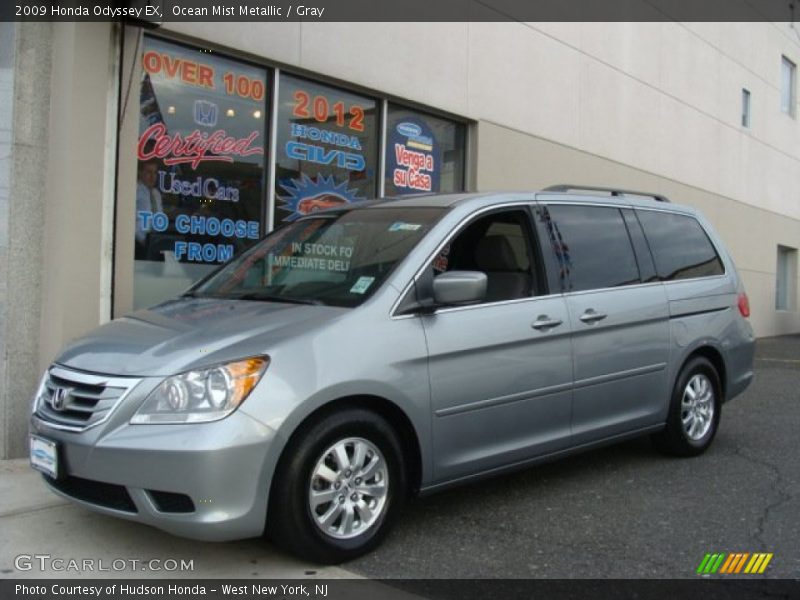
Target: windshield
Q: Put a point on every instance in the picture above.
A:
(338, 259)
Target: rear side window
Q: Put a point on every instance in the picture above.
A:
(590, 246)
(680, 246)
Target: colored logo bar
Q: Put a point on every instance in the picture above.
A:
(734, 563)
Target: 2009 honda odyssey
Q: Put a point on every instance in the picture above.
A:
(375, 350)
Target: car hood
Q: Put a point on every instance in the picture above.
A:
(189, 333)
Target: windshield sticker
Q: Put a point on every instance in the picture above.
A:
(314, 257)
(362, 285)
(401, 226)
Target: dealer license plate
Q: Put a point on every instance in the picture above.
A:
(44, 456)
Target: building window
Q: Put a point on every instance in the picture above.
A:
(327, 151)
(786, 279)
(204, 153)
(423, 153)
(788, 85)
(201, 173)
(745, 108)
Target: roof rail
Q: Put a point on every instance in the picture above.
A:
(611, 191)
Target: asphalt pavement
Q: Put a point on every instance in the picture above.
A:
(623, 511)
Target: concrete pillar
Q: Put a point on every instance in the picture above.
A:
(55, 259)
(21, 259)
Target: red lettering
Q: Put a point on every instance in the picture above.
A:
(170, 65)
(419, 181)
(205, 76)
(409, 158)
(151, 62)
(189, 72)
(195, 148)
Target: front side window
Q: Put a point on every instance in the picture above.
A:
(589, 247)
(500, 246)
(201, 166)
(337, 259)
(327, 151)
(681, 249)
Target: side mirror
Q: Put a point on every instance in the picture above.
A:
(459, 287)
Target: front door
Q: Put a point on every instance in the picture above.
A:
(500, 370)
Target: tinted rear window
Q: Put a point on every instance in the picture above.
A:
(680, 246)
(591, 246)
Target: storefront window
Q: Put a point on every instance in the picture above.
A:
(200, 190)
(423, 153)
(327, 148)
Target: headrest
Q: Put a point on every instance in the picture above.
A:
(494, 253)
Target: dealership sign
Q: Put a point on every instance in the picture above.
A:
(195, 147)
(413, 157)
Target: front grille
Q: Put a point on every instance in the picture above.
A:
(170, 502)
(76, 401)
(108, 495)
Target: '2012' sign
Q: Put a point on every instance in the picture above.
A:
(306, 106)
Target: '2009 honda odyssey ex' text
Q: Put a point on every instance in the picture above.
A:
(379, 349)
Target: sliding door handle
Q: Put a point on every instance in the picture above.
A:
(592, 316)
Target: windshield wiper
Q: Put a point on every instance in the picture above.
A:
(277, 298)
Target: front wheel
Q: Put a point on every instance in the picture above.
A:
(338, 487)
(694, 412)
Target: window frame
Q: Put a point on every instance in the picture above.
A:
(278, 75)
(266, 105)
(387, 106)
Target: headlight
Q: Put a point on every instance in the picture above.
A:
(204, 395)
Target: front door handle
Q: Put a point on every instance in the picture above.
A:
(543, 322)
(592, 316)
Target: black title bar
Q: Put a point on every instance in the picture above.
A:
(731, 588)
(155, 12)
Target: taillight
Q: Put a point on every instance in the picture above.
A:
(744, 304)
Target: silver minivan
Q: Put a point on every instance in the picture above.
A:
(382, 349)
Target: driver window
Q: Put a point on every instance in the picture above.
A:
(499, 245)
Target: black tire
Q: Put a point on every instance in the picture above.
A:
(675, 439)
(291, 523)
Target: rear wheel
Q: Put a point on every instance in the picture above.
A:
(338, 488)
(694, 411)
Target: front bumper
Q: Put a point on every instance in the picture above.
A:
(224, 468)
